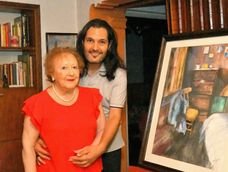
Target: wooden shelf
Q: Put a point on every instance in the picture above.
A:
(17, 48)
(12, 99)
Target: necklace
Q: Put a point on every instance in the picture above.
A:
(61, 98)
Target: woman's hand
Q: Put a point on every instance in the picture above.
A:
(41, 152)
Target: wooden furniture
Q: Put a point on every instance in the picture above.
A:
(11, 99)
(203, 88)
(196, 15)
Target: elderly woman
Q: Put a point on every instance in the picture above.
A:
(66, 116)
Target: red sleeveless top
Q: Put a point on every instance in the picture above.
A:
(65, 128)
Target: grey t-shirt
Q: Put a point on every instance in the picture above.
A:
(114, 95)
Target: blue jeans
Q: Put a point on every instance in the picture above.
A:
(112, 161)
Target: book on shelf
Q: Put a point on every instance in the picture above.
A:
(6, 72)
(4, 69)
(25, 30)
(17, 30)
(31, 71)
(3, 38)
(11, 78)
(13, 74)
(1, 72)
(1, 76)
(5, 34)
(21, 30)
(27, 66)
(15, 33)
(19, 73)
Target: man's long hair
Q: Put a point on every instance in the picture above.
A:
(112, 60)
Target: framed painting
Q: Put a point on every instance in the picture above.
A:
(187, 121)
(60, 40)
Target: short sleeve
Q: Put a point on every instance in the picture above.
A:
(119, 90)
(30, 109)
(97, 98)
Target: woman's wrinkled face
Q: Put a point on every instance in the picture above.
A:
(96, 45)
(66, 71)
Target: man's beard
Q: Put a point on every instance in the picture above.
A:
(101, 59)
(96, 62)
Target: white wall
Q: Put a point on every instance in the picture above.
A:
(56, 16)
(83, 11)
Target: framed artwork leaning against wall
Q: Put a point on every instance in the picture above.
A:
(187, 125)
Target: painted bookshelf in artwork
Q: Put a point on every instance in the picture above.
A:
(20, 75)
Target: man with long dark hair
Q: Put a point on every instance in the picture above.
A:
(97, 44)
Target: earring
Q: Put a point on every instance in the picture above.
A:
(53, 79)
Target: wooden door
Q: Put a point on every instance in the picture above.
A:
(11, 125)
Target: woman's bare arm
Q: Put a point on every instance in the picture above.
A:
(29, 137)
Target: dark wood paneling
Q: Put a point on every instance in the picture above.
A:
(6, 156)
(200, 15)
(174, 16)
(204, 13)
(224, 15)
(195, 15)
(215, 20)
(184, 6)
(11, 119)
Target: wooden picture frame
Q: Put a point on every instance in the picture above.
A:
(186, 99)
(60, 40)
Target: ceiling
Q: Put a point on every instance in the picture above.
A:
(154, 9)
(153, 12)
(127, 3)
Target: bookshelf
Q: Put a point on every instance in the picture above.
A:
(20, 69)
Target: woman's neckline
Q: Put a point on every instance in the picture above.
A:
(52, 96)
